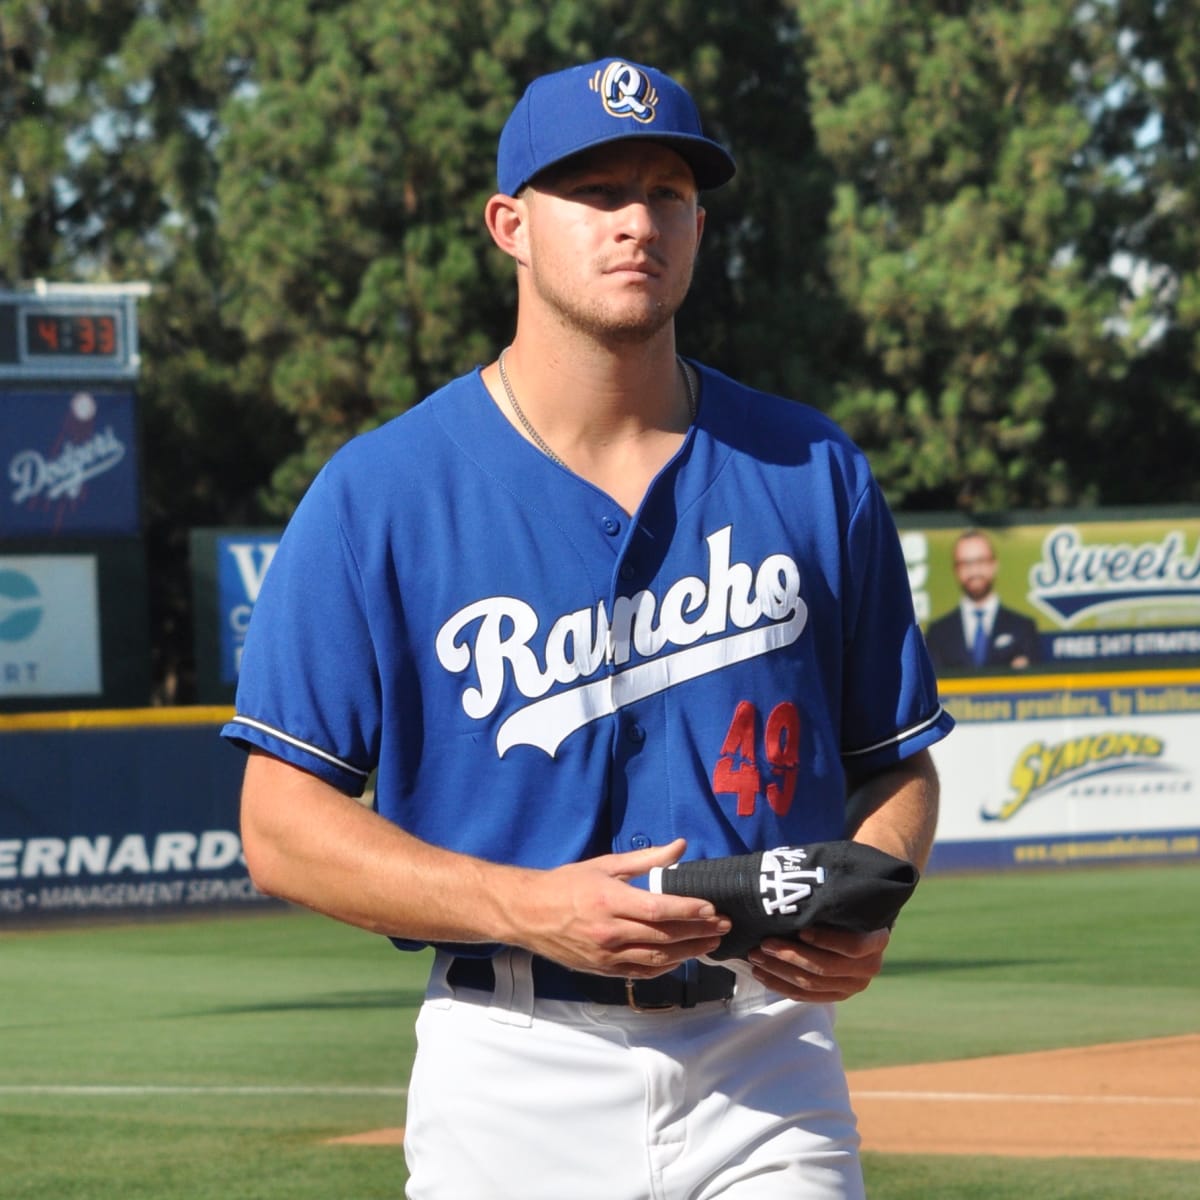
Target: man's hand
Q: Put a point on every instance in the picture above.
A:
(587, 917)
(820, 965)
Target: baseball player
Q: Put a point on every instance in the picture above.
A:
(587, 611)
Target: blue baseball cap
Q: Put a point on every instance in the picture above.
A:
(605, 101)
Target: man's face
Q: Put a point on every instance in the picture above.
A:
(975, 567)
(613, 234)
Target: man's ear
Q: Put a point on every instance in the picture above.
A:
(505, 217)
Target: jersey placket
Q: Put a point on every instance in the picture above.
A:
(636, 746)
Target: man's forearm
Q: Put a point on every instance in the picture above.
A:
(307, 843)
(896, 810)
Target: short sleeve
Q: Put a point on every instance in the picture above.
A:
(308, 687)
(890, 704)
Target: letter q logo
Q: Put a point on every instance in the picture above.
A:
(20, 606)
(626, 92)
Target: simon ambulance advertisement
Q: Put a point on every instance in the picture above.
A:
(1099, 768)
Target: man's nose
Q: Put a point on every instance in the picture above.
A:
(637, 218)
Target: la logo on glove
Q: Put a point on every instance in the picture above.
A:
(784, 880)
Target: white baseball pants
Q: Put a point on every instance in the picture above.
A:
(513, 1097)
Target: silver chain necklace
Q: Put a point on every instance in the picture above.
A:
(536, 437)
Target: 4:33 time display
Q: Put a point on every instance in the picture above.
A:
(70, 335)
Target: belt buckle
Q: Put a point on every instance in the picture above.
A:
(632, 1000)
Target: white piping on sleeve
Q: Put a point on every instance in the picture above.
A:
(911, 731)
(308, 748)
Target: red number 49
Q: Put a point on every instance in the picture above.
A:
(737, 770)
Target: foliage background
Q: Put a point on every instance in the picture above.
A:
(968, 230)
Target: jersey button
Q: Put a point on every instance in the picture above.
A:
(610, 525)
(640, 841)
(636, 734)
(628, 570)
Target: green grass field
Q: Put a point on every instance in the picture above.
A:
(210, 1059)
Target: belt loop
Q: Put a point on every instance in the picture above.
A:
(512, 1001)
(438, 991)
(748, 993)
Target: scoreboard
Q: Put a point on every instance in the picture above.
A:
(68, 331)
(74, 624)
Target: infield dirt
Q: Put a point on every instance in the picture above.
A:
(1127, 1100)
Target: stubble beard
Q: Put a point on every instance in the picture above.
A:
(618, 325)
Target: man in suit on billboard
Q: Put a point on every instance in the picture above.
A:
(980, 631)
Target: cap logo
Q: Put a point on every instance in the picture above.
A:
(625, 92)
(784, 881)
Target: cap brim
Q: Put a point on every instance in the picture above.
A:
(712, 165)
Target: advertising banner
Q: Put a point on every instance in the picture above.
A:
(1093, 768)
(228, 569)
(49, 626)
(1068, 592)
(69, 463)
(109, 812)
(242, 563)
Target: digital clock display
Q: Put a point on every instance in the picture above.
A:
(92, 335)
(58, 333)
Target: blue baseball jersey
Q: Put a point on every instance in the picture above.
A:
(537, 677)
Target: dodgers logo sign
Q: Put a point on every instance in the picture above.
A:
(68, 464)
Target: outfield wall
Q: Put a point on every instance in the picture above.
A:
(129, 811)
(135, 811)
(1049, 770)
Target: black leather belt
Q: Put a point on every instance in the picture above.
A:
(685, 987)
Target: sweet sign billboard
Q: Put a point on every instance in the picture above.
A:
(1099, 592)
